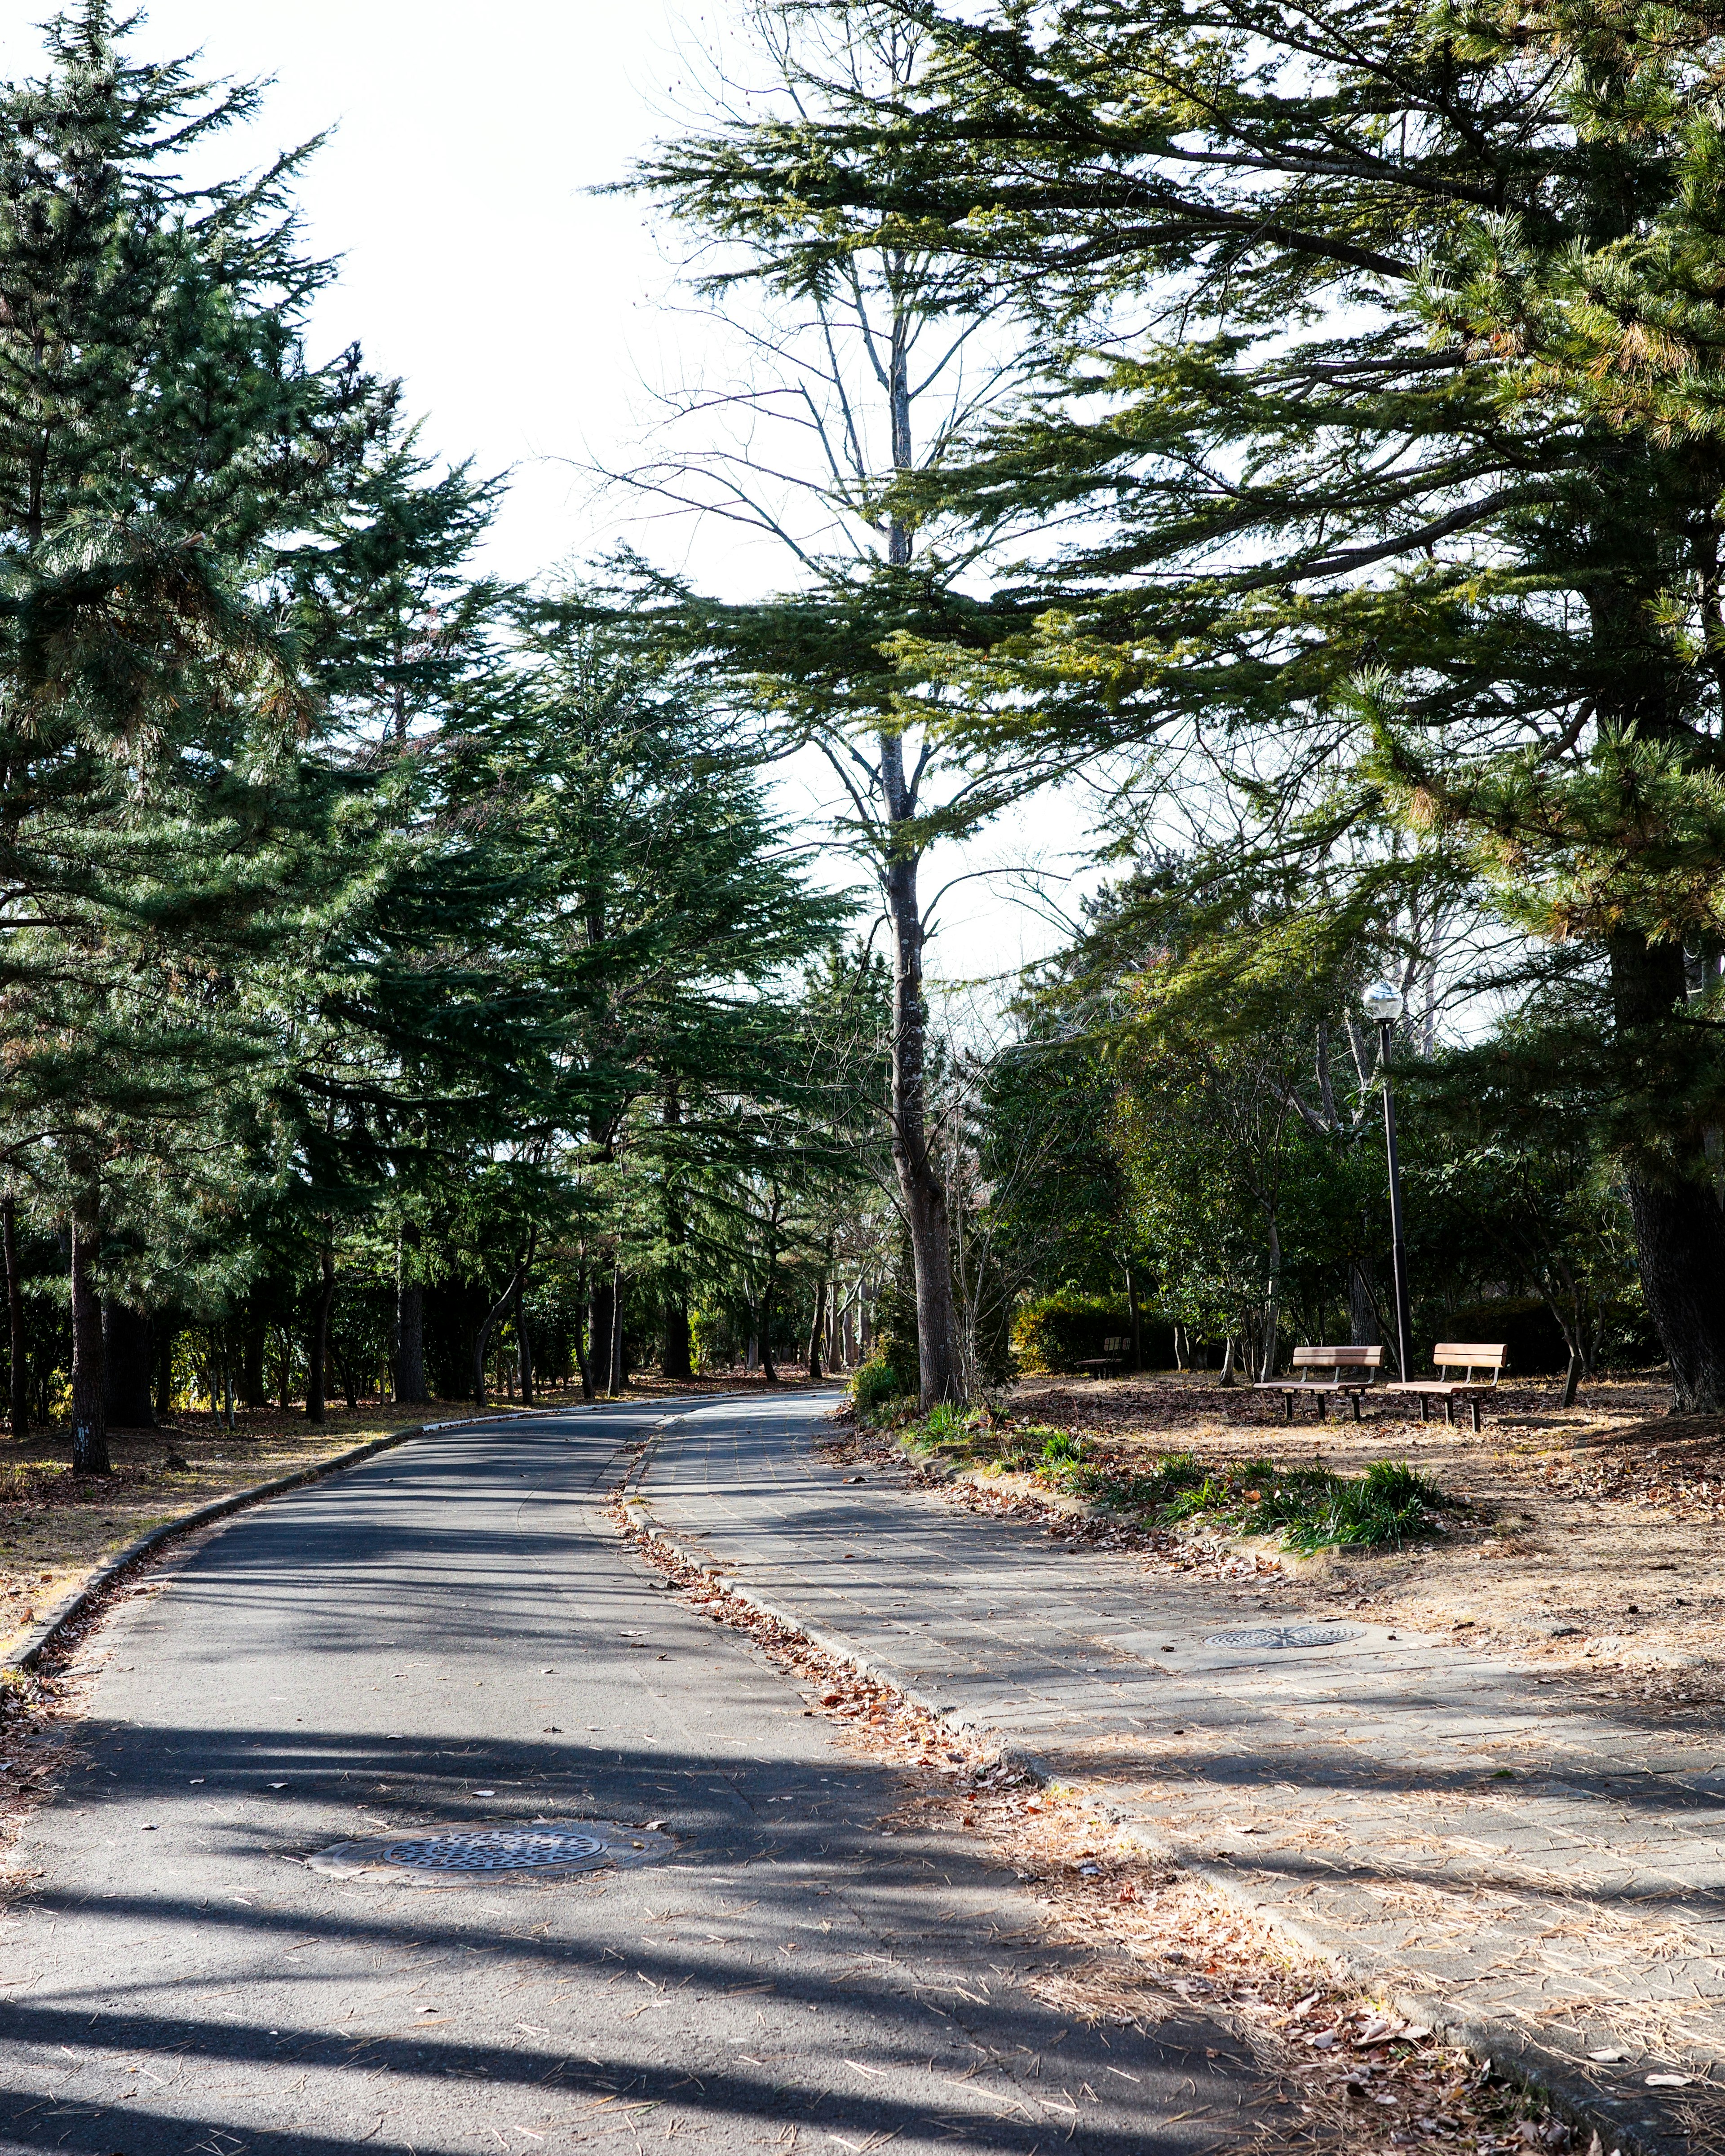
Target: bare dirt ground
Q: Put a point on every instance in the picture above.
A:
(1591, 1540)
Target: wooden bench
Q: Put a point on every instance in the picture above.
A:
(1468, 1355)
(1352, 1371)
(1112, 1357)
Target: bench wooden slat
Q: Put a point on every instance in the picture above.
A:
(1470, 1354)
(1337, 1358)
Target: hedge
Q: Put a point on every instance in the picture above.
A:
(1054, 1333)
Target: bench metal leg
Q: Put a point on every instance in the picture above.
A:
(1425, 1407)
(1449, 1411)
(1321, 1415)
(1475, 1405)
(1354, 1397)
(1287, 1407)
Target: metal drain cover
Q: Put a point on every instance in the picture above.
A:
(1287, 1635)
(492, 1849)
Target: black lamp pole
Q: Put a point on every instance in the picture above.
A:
(1398, 1248)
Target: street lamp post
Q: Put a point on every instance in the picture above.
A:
(1383, 1004)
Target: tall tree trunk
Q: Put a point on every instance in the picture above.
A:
(126, 1367)
(678, 1366)
(602, 1307)
(920, 1189)
(492, 1316)
(1362, 1329)
(1227, 1376)
(19, 1371)
(89, 1422)
(409, 1319)
(344, 1370)
(816, 1329)
(252, 1387)
(1182, 1352)
(618, 1377)
(1272, 1309)
(1679, 1226)
(164, 1336)
(1138, 1318)
(524, 1349)
(581, 1349)
(317, 1352)
(679, 1342)
(767, 1371)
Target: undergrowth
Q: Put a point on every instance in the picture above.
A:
(1309, 1508)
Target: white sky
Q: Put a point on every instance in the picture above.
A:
(522, 313)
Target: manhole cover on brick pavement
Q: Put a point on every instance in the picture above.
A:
(1287, 1635)
(484, 1849)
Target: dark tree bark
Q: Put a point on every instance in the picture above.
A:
(921, 1188)
(817, 1329)
(126, 1367)
(251, 1389)
(318, 1352)
(677, 1367)
(1679, 1226)
(1572, 1377)
(409, 1319)
(1138, 1318)
(19, 1371)
(679, 1344)
(1362, 1329)
(601, 1310)
(518, 1281)
(618, 1380)
(767, 1371)
(524, 1348)
(90, 1422)
(582, 1360)
(165, 1372)
(344, 1369)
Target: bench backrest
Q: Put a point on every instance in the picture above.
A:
(1338, 1359)
(1116, 1346)
(1471, 1355)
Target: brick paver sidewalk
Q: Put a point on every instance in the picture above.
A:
(1533, 1869)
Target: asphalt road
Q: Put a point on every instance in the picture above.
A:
(453, 1632)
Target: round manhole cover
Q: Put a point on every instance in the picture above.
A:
(1287, 1635)
(488, 1849)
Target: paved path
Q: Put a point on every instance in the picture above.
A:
(454, 1630)
(1429, 1814)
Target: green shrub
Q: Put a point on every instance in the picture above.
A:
(879, 1379)
(1313, 1509)
(944, 1422)
(1061, 1450)
(1054, 1333)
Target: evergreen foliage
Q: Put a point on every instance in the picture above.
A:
(1375, 439)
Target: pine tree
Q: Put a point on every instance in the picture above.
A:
(160, 430)
(1381, 358)
(875, 344)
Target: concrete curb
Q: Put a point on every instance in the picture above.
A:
(43, 1634)
(1510, 2051)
